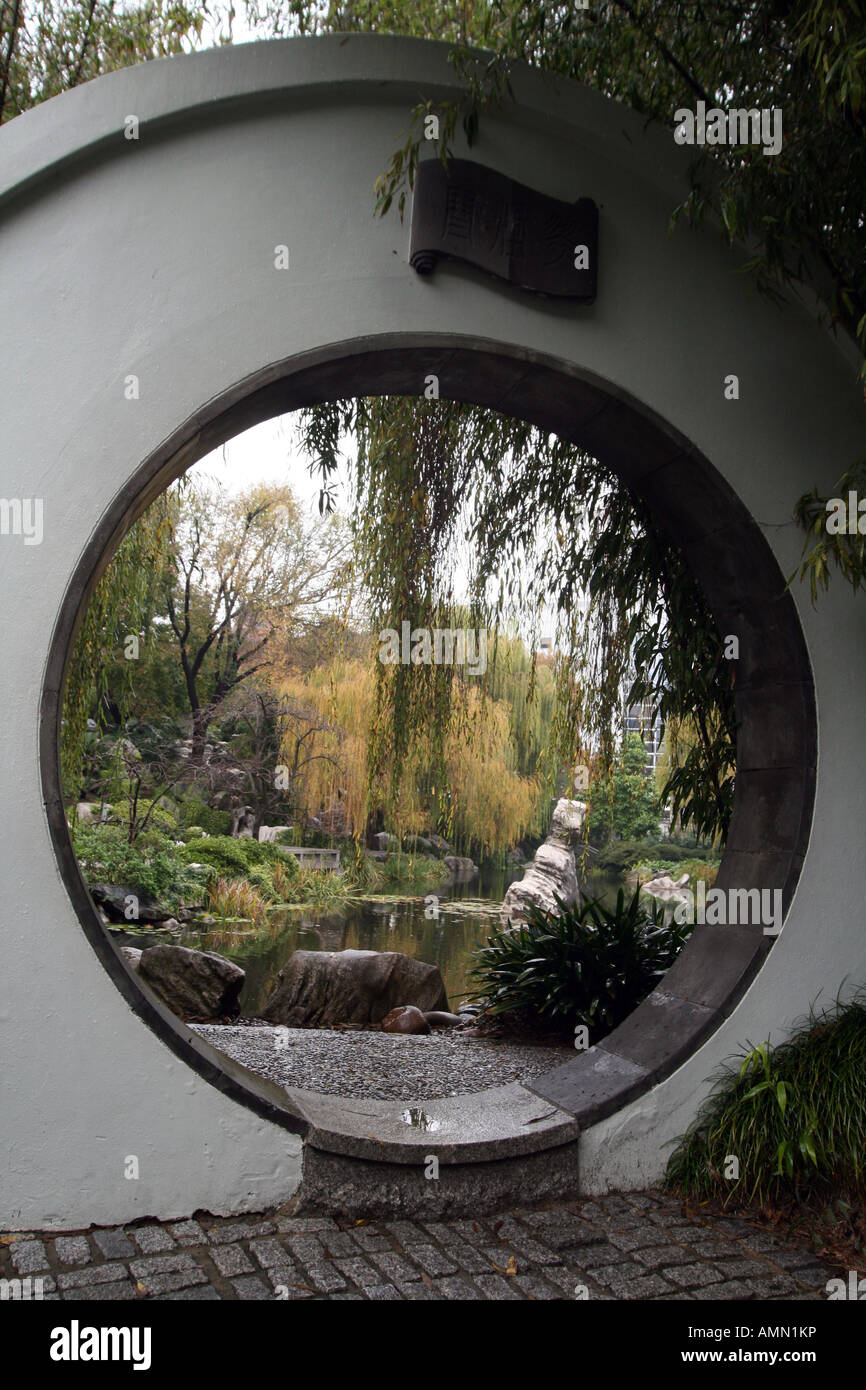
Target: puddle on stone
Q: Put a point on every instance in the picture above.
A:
(419, 1119)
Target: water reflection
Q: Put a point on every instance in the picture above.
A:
(468, 912)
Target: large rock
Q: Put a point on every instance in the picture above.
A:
(193, 984)
(320, 988)
(460, 867)
(385, 841)
(121, 903)
(552, 873)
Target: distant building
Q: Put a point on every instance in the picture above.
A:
(639, 720)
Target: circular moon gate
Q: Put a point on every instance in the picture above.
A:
(138, 279)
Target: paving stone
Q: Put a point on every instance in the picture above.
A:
(269, 1252)
(693, 1276)
(467, 1257)
(231, 1259)
(72, 1250)
(417, 1293)
(568, 1234)
(396, 1267)
(472, 1232)
(360, 1271)
(204, 1293)
(114, 1243)
(597, 1256)
(638, 1239)
(159, 1274)
(289, 1284)
(237, 1230)
(369, 1240)
(494, 1286)
(630, 1246)
(742, 1269)
(251, 1288)
(456, 1289)
(716, 1248)
(152, 1240)
(815, 1276)
(319, 1272)
(535, 1287)
(775, 1286)
(729, 1290)
(321, 1275)
(341, 1244)
(760, 1240)
(663, 1256)
(640, 1202)
(792, 1259)
(525, 1245)
(304, 1225)
(566, 1279)
(693, 1235)
(97, 1293)
(159, 1284)
(173, 1263)
(593, 1212)
(91, 1275)
(633, 1283)
(433, 1260)
(188, 1233)
(28, 1256)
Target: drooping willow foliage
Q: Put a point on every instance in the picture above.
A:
(121, 605)
(537, 531)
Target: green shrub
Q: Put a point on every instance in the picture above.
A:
(705, 869)
(284, 837)
(231, 855)
(620, 856)
(151, 866)
(158, 819)
(794, 1116)
(193, 811)
(590, 965)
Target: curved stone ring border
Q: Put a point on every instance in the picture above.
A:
(717, 963)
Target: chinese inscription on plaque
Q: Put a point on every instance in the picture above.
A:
(475, 215)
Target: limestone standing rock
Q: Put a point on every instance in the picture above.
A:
(667, 893)
(193, 984)
(552, 872)
(319, 988)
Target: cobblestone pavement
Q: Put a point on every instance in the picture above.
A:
(632, 1246)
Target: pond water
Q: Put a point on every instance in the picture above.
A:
(468, 911)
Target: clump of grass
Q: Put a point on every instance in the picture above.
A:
(235, 898)
(793, 1117)
(284, 881)
(319, 886)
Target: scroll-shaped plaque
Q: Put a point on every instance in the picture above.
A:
(476, 215)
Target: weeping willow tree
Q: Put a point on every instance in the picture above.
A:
(490, 803)
(121, 606)
(537, 530)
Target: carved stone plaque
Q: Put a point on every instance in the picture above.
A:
(531, 241)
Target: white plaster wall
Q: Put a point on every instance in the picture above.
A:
(156, 258)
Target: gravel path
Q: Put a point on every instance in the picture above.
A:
(381, 1066)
